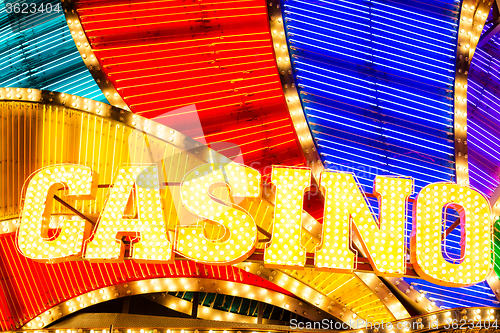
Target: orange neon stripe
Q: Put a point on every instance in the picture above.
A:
(282, 143)
(179, 41)
(244, 63)
(258, 140)
(214, 107)
(176, 21)
(254, 133)
(19, 273)
(192, 77)
(125, 4)
(161, 74)
(267, 174)
(161, 15)
(154, 59)
(200, 85)
(9, 299)
(190, 70)
(244, 128)
(156, 8)
(191, 47)
(185, 55)
(203, 101)
(202, 94)
(245, 56)
(263, 148)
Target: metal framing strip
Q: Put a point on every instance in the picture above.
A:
(83, 45)
(122, 116)
(297, 115)
(390, 300)
(495, 28)
(421, 303)
(203, 312)
(472, 18)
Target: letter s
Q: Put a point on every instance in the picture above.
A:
(239, 231)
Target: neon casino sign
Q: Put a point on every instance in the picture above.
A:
(346, 211)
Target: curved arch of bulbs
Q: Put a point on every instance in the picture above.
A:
(160, 285)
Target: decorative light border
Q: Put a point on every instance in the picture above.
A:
(106, 111)
(149, 127)
(83, 45)
(297, 115)
(9, 226)
(469, 319)
(172, 284)
(471, 24)
(472, 317)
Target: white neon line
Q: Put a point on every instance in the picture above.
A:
(413, 46)
(338, 80)
(416, 95)
(385, 135)
(413, 13)
(332, 93)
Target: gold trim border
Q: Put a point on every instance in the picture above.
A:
(473, 16)
(103, 110)
(84, 47)
(297, 114)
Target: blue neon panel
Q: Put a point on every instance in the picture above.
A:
(37, 51)
(483, 114)
(376, 81)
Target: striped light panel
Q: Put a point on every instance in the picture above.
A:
(37, 51)
(205, 68)
(376, 80)
(484, 115)
(377, 84)
(484, 120)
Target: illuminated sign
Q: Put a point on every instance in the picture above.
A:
(135, 210)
